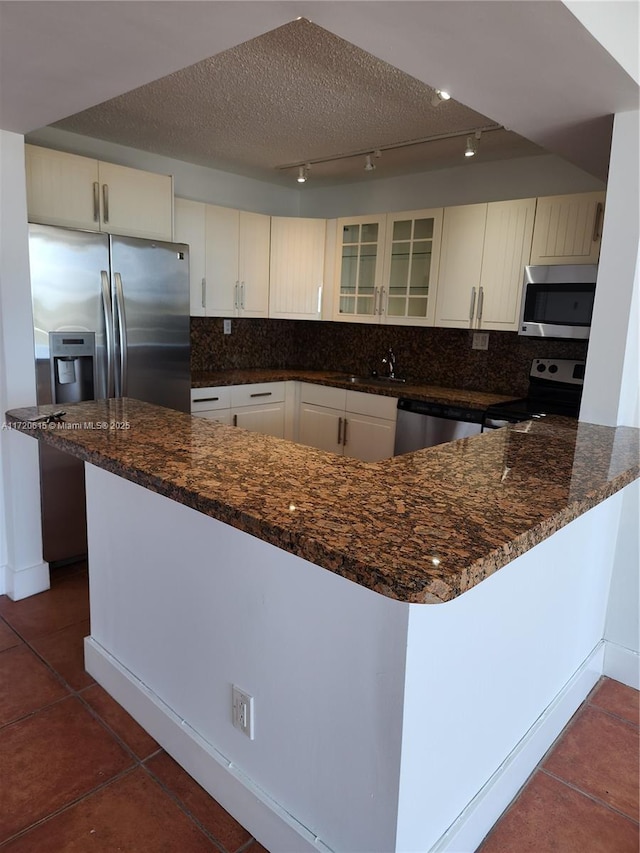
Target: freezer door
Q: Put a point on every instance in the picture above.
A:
(68, 269)
(150, 286)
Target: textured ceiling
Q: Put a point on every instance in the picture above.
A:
(297, 94)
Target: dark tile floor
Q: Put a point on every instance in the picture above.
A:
(78, 773)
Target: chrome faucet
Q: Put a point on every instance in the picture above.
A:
(390, 361)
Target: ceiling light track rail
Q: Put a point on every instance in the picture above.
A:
(380, 148)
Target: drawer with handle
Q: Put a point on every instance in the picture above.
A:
(257, 393)
(205, 399)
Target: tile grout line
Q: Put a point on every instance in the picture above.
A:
(589, 796)
(615, 716)
(27, 829)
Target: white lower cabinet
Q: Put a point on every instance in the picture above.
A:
(259, 407)
(347, 422)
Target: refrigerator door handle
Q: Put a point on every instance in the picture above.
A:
(122, 333)
(108, 331)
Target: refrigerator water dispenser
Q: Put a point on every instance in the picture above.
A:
(72, 359)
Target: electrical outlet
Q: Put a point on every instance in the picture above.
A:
(480, 340)
(242, 711)
(226, 327)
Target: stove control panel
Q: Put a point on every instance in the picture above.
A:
(565, 370)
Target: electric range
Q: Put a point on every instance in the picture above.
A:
(555, 388)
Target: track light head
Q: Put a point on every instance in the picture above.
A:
(439, 96)
(303, 174)
(369, 165)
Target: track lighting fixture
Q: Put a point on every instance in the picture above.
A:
(472, 144)
(439, 97)
(302, 171)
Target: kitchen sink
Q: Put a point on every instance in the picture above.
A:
(354, 379)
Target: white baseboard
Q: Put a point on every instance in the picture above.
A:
(21, 583)
(265, 819)
(622, 664)
(475, 821)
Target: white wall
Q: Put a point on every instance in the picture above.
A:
(22, 571)
(611, 386)
(469, 183)
(616, 25)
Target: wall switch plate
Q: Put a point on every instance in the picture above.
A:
(242, 711)
(480, 340)
(226, 327)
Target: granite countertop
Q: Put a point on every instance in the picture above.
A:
(414, 390)
(423, 527)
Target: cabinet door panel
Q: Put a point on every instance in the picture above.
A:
(369, 439)
(460, 265)
(60, 188)
(567, 229)
(222, 235)
(267, 419)
(359, 268)
(507, 247)
(253, 264)
(412, 255)
(297, 268)
(140, 204)
(190, 229)
(320, 427)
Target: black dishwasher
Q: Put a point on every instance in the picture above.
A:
(421, 424)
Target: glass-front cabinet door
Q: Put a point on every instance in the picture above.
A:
(411, 267)
(360, 268)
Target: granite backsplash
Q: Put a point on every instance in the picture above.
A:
(430, 355)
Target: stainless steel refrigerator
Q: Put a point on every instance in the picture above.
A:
(111, 319)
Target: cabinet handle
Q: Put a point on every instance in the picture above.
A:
(105, 202)
(204, 293)
(339, 430)
(319, 299)
(235, 420)
(344, 435)
(376, 295)
(242, 294)
(96, 201)
(262, 394)
(473, 303)
(235, 295)
(480, 303)
(383, 307)
(597, 222)
(206, 399)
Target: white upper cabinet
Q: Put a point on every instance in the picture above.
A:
(236, 262)
(228, 259)
(507, 246)
(568, 229)
(359, 269)
(460, 265)
(484, 250)
(411, 260)
(79, 192)
(387, 267)
(190, 228)
(297, 268)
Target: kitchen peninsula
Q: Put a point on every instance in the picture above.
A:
(414, 632)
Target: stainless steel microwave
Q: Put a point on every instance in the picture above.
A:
(557, 301)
